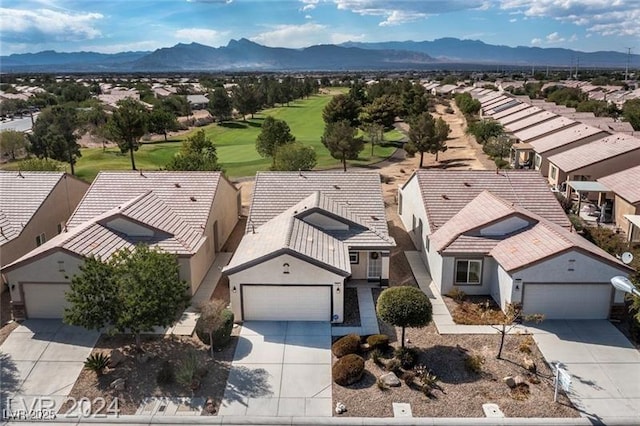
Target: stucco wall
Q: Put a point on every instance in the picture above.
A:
(300, 273)
(448, 276)
(622, 207)
(56, 209)
(359, 270)
(503, 293)
(544, 165)
(225, 211)
(413, 205)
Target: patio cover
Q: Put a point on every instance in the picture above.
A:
(587, 186)
(633, 218)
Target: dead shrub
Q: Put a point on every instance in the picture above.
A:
(474, 363)
(348, 370)
(349, 344)
(525, 344)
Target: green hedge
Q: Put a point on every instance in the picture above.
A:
(222, 336)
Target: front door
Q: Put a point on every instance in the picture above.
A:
(374, 270)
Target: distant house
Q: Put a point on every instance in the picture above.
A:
(198, 101)
(625, 186)
(505, 235)
(34, 207)
(308, 234)
(190, 214)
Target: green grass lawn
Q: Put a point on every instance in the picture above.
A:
(235, 144)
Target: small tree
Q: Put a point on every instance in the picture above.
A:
(483, 130)
(442, 134)
(211, 318)
(220, 104)
(274, 134)
(11, 142)
(513, 314)
(294, 156)
(196, 154)
(404, 307)
(127, 125)
(422, 135)
(54, 135)
(341, 108)
(341, 141)
(498, 147)
(162, 121)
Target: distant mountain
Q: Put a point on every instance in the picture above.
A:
(67, 61)
(478, 52)
(246, 55)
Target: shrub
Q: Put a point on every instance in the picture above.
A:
(407, 357)
(393, 365)
(378, 341)
(97, 363)
(349, 344)
(577, 222)
(221, 334)
(501, 163)
(404, 306)
(187, 370)
(525, 345)
(381, 385)
(457, 295)
(409, 377)
(473, 363)
(348, 370)
(166, 375)
(376, 356)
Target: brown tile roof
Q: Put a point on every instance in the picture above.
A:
(21, 195)
(565, 137)
(530, 121)
(625, 184)
(446, 192)
(519, 115)
(595, 152)
(551, 126)
(497, 115)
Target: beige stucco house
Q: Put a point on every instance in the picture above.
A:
(625, 186)
(594, 160)
(34, 207)
(505, 235)
(307, 235)
(190, 214)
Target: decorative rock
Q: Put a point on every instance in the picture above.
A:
(340, 408)
(118, 384)
(519, 380)
(390, 379)
(510, 381)
(116, 357)
(530, 365)
(209, 406)
(365, 347)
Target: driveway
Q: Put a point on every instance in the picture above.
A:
(41, 361)
(604, 366)
(280, 369)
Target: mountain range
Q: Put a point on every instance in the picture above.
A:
(245, 55)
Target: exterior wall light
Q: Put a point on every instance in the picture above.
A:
(234, 289)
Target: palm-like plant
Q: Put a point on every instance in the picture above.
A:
(97, 363)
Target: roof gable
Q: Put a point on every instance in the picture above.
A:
(624, 184)
(595, 152)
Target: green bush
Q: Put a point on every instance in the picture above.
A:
(407, 357)
(393, 364)
(166, 375)
(188, 369)
(222, 336)
(97, 363)
(348, 370)
(473, 363)
(378, 341)
(501, 163)
(376, 356)
(349, 344)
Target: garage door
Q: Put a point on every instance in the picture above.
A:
(568, 301)
(286, 303)
(45, 300)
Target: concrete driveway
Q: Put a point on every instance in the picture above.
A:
(280, 369)
(42, 359)
(604, 366)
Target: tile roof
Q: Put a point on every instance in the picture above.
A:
(625, 183)
(502, 107)
(501, 113)
(359, 192)
(551, 126)
(530, 121)
(564, 137)
(446, 192)
(595, 152)
(497, 101)
(519, 115)
(188, 194)
(21, 195)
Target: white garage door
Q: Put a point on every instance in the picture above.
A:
(286, 303)
(568, 301)
(45, 300)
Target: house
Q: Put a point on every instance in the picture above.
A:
(595, 159)
(190, 214)
(505, 110)
(505, 119)
(198, 101)
(505, 235)
(34, 207)
(308, 233)
(560, 141)
(625, 186)
(530, 121)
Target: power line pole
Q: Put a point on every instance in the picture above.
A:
(626, 70)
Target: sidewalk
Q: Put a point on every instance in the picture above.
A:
(441, 315)
(368, 318)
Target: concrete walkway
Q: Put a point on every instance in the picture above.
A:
(368, 317)
(604, 365)
(280, 369)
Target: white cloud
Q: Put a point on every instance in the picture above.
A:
(134, 46)
(58, 25)
(308, 17)
(604, 17)
(202, 35)
(513, 20)
(398, 17)
(573, 38)
(536, 41)
(309, 4)
(554, 38)
(298, 36)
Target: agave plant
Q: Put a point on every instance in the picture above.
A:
(97, 363)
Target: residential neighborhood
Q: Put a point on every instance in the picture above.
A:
(312, 222)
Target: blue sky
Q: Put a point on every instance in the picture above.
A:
(124, 25)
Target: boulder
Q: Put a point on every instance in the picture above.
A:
(530, 365)
(510, 381)
(118, 384)
(390, 379)
(116, 357)
(209, 406)
(340, 408)
(519, 380)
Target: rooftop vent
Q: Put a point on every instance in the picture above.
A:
(374, 217)
(467, 184)
(336, 187)
(177, 185)
(192, 198)
(445, 196)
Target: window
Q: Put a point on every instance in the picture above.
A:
(553, 172)
(61, 227)
(538, 161)
(468, 271)
(354, 257)
(40, 239)
(426, 243)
